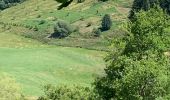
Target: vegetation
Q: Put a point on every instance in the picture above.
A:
(26, 21)
(80, 1)
(62, 29)
(65, 3)
(137, 62)
(8, 3)
(67, 93)
(9, 89)
(96, 32)
(106, 22)
(37, 64)
(147, 4)
(139, 69)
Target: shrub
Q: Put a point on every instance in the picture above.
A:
(138, 69)
(67, 93)
(80, 1)
(62, 29)
(96, 32)
(89, 24)
(41, 22)
(106, 22)
(9, 90)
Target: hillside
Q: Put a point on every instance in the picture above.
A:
(35, 19)
(33, 59)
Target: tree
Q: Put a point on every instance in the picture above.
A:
(138, 69)
(106, 22)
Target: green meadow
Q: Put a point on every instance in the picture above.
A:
(33, 64)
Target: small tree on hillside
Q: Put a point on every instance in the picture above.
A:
(106, 22)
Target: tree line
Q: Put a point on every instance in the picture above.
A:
(8, 3)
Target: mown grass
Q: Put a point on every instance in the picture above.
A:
(35, 67)
(33, 64)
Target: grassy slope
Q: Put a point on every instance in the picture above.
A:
(33, 64)
(38, 66)
(30, 13)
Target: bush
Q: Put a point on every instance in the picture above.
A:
(41, 22)
(106, 22)
(67, 93)
(80, 1)
(62, 29)
(138, 69)
(103, 0)
(96, 32)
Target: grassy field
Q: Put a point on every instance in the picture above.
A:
(33, 64)
(24, 56)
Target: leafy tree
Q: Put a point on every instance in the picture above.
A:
(138, 69)
(106, 22)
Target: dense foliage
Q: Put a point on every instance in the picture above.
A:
(8, 3)
(138, 68)
(147, 4)
(67, 93)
